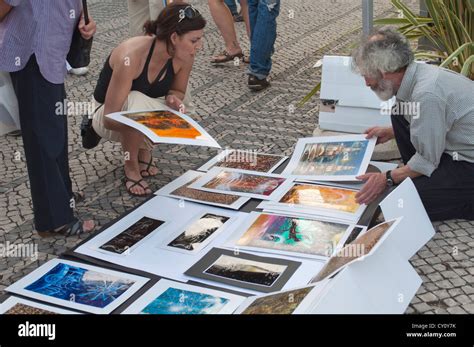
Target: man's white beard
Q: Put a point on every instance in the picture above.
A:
(385, 90)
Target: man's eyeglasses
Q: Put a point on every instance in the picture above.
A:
(188, 12)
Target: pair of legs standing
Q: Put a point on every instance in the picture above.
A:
(45, 142)
(225, 23)
(262, 15)
(140, 11)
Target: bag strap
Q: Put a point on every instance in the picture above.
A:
(85, 11)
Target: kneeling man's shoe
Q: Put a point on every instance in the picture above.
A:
(255, 84)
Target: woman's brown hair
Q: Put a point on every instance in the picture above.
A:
(172, 20)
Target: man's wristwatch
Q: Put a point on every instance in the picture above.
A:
(390, 181)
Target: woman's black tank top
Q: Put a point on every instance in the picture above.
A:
(141, 84)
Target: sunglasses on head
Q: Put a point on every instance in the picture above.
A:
(188, 12)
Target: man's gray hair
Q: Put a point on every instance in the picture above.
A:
(385, 50)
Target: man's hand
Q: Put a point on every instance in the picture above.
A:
(87, 31)
(375, 184)
(175, 103)
(4, 9)
(383, 134)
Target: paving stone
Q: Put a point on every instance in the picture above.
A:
(439, 310)
(465, 224)
(444, 284)
(469, 279)
(452, 225)
(430, 286)
(460, 272)
(427, 297)
(426, 269)
(419, 262)
(441, 294)
(422, 307)
(433, 260)
(450, 302)
(444, 228)
(470, 253)
(469, 308)
(445, 257)
(468, 289)
(434, 277)
(462, 299)
(455, 292)
(439, 267)
(449, 274)
(456, 310)
(457, 282)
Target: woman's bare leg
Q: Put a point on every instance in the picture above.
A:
(225, 23)
(131, 141)
(145, 156)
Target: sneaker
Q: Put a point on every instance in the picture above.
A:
(80, 71)
(14, 133)
(257, 85)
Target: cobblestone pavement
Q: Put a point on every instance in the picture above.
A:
(237, 118)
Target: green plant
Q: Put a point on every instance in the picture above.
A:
(316, 89)
(450, 30)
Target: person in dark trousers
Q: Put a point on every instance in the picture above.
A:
(262, 16)
(432, 123)
(35, 37)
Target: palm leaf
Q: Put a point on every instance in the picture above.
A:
(456, 54)
(316, 89)
(467, 66)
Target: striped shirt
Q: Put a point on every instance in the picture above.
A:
(445, 123)
(40, 27)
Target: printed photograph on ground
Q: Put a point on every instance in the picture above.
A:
(293, 234)
(244, 270)
(195, 235)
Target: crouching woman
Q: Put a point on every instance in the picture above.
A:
(141, 73)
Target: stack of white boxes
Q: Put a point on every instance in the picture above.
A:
(357, 107)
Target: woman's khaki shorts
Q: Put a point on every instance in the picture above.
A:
(136, 101)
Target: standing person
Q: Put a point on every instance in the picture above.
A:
(142, 73)
(141, 11)
(225, 23)
(263, 15)
(35, 37)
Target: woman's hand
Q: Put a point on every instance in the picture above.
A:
(87, 31)
(175, 103)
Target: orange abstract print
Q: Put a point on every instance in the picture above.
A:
(166, 124)
(322, 197)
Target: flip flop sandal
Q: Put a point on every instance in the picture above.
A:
(149, 165)
(137, 183)
(227, 57)
(74, 228)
